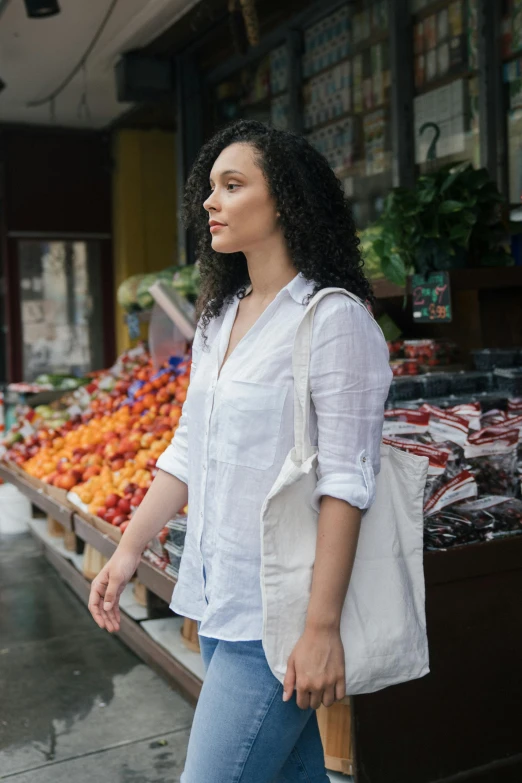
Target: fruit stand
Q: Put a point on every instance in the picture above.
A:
(88, 459)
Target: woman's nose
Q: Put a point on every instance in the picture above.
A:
(210, 203)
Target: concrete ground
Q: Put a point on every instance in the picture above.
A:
(76, 705)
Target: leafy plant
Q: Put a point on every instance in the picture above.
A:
(451, 218)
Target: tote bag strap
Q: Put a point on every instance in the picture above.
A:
(301, 371)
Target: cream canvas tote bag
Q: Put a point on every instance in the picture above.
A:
(383, 623)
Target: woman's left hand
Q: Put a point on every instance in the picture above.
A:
(316, 669)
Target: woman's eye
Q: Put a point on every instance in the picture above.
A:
(232, 185)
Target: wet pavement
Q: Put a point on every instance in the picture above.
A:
(76, 705)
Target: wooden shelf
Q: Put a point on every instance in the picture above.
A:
(433, 8)
(344, 116)
(443, 81)
(511, 57)
(154, 580)
(358, 49)
(373, 40)
(321, 71)
(461, 280)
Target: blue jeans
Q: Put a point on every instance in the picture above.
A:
(243, 731)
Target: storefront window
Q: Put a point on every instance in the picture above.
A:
(346, 98)
(257, 92)
(446, 84)
(60, 307)
(511, 44)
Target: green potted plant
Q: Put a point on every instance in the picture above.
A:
(452, 218)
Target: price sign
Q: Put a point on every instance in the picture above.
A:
(431, 298)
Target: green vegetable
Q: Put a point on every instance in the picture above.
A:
(128, 293)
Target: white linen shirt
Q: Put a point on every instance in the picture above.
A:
(236, 431)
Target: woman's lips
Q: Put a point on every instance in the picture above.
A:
(216, 227)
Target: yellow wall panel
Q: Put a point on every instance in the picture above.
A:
(144, 209)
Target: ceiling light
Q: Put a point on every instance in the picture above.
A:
(39, 9)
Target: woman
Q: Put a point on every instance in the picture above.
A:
(273, 228)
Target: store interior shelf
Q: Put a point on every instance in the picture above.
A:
(513, 56)
(345, 115)
(443, 81)
(36, 495)
(461, 280)
(432, 8)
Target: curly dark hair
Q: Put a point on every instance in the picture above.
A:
(325, 250)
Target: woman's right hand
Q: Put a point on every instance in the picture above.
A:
(107, 587)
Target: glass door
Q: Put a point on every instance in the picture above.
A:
(61, 311)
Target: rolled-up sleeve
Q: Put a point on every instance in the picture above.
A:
(350, 378)
(174, 459)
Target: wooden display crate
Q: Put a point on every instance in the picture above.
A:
(93, 562)
(54, 528)
(335, 727)
(189, 634)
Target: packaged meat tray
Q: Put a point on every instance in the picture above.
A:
(509, 380)
(490, 358)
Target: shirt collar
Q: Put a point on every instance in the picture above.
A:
(298, 288)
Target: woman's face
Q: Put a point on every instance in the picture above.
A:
(239, 202)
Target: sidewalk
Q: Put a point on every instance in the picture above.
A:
(76, 705)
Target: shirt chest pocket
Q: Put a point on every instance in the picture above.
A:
(249, 424)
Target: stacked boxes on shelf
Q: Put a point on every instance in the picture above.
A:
(357, 84)
(512, 28)
(279, 66)
(448, 107)
(376, 142)
(512, 43)
(372, 20)
(441, 45)
(174, 544)
(336, 143)
(327, 42)
(279, 112)
(327, 96)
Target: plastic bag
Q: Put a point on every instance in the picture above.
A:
(491, 455)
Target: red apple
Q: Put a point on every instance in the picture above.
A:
(124, 505)
(119, 519)
(112, 500)
(110, 515)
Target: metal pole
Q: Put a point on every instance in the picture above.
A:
(295, 48)
(492, 108)
(189, 138)
(402, 92)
